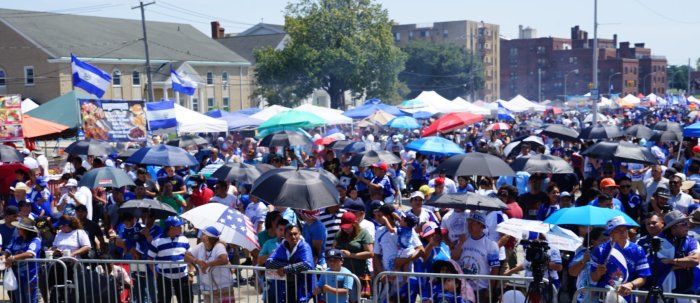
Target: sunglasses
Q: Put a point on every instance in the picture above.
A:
(673, 182)
(625, 186)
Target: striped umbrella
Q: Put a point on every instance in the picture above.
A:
(498, 126)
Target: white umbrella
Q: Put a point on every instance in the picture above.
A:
(589, 118)
(557, 237)
(234, 226)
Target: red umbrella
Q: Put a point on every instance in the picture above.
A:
(450, 122)
(499, 126)
(324, 141)
(8, 170)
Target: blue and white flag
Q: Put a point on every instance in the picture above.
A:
(182, 83)
(161, 114)
(90, 78)
(504, 113)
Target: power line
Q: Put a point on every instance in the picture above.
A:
(656, 12)
(201, 15)
(76, 10)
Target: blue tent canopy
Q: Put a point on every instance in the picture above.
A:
(692, 130)
(248, 111)
(371, 106)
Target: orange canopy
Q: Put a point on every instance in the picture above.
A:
(35, 127)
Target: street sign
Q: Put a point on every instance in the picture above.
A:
(595, 94)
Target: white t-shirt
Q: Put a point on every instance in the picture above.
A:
(478, 257)
(256, 212)
(229, 200)
(222, 276)
(635, 166)
(455, 223)
(450, 185)
(70, 203)
(88, 200)
(554, 256)
(44, 164)
(72, 241)
(31, 163)
(386, 245)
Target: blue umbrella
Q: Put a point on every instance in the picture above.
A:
(405, 122)
(412, 104)
(434, 145)
(422, 115)
(587, 216)
(248, 111)
(356, 148)
(369, 107)
(163, 155)
(692, 130)
(332, 131)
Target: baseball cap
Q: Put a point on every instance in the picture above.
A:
(478, 217)
(429, 229)
(334, 254)
(173, 221)
(25, 152)
(426, 190)
(607, 182)
(565, 194)
(439, 181)
(347, 220)
(616, 222)
(696, 149)
(381, 165)
(11, 210)
(354, 205)
(212, 232)
(41, 181)
(71, 183)
(417, 194)
(662, 191)
(410, 219)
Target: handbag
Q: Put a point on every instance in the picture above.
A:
(10, 281)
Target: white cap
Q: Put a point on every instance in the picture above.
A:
(72, 182)
(417, 194)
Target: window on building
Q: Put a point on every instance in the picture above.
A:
(513, 51)
(136, 78)
(210, 78)
(541, 50)
(226, 103)
(224, 78)
(444, 33)
(626, 70)
(116, 78)
(425, 34)
(410, 36)
(210, 103)
(195, 104)
(397, 37)
(29, 75)
(573, 60)
(2, 77)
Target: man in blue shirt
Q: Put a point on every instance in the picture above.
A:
(314, 233)
(172, 278)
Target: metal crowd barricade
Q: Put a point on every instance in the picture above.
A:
(44, 280)
(594, 294)
(247, 287)
(407, 287)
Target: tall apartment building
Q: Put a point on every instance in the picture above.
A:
(554, 68)
(480, 38)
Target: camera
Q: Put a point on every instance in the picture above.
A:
(655, 245)
(536, 254)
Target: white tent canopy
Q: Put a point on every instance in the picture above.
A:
(693, 99)
(268, 112)
(436, 101)
(605, 102)
(465, 106)
(189, 121)
(28, 104)
(332, 116)
(631, 99)
(520, 104)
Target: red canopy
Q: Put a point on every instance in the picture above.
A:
(8, 171)
(35, 127)
(450, 122)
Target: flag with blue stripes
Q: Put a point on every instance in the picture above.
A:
(90, 78)
(182, 83)
(161, 114)
(504, 113)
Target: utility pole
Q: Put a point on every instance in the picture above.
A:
(688, 87)
(594, 90)
(149, 85)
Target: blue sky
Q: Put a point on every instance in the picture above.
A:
(669, 28)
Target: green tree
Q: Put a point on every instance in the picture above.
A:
(335, 45)
(677, 77)
(445, 68)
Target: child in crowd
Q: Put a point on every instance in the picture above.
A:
(336, 288)
(408, 241)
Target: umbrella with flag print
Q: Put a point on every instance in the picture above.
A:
(450, 122)
(235, 228)
(498, 126)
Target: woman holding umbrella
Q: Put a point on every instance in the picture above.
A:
(289, 260)
(207, 254)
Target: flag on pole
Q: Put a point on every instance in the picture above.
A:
(161, 114)
(182, 83)
(90, 78)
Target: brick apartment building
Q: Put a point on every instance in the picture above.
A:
(479, 37)
(552, 68)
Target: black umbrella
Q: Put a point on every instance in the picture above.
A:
(639, 131)
(127, 153)
(666, 136)
(542, 164)
(479, 164)
(356, 148)
(163, 155)
(339, 145)
(239, 172)
(669, 126)
(91, 147)
(620, 151)
(324, 173)
(560, 131)
(285, 138)
(298, 189)
(105, 177)
(467, 200)
(159, 209)
(600, 131)
(187, 140)
(10, 155)
(374, 156)
(264, 167)
(514, 147)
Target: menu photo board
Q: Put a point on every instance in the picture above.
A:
(114, 120)
(10, 118)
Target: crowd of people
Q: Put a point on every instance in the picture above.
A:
(372, 229)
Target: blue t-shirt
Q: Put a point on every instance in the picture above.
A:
(361, 186)
(131, 237)
(617, 205)
(546, 210)
(386, 185)
(7, 233)
(447, 297)
(142, 244)
(630, 261)
(25, 271)
(336, 281)
(314, 232)
(34, 197)
(438, 253)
